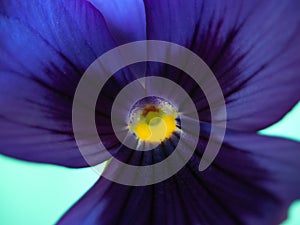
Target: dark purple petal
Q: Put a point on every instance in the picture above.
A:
(252, 181)
(45, 48)
(251, 46)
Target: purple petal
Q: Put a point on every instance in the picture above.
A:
(252, 181)
(45, 48)
(251, 46)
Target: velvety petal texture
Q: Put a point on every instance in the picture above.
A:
(252, 181)
(45, 48)
(251, 46)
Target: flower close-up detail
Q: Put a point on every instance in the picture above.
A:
(55, 53)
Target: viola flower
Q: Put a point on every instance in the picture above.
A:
(252, 47)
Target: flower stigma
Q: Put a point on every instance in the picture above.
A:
(153, 120)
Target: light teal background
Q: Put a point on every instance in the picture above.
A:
(35, 194)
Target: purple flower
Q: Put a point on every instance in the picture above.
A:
(252, 47)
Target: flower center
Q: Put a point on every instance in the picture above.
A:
(153, 119)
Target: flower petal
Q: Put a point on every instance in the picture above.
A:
(125, 19)
(252, 181)
(251, 46)
(45, 48)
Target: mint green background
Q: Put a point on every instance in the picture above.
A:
(36, 194)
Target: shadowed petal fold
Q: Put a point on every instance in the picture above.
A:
(125, 19)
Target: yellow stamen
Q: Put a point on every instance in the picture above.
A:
(155, 126)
